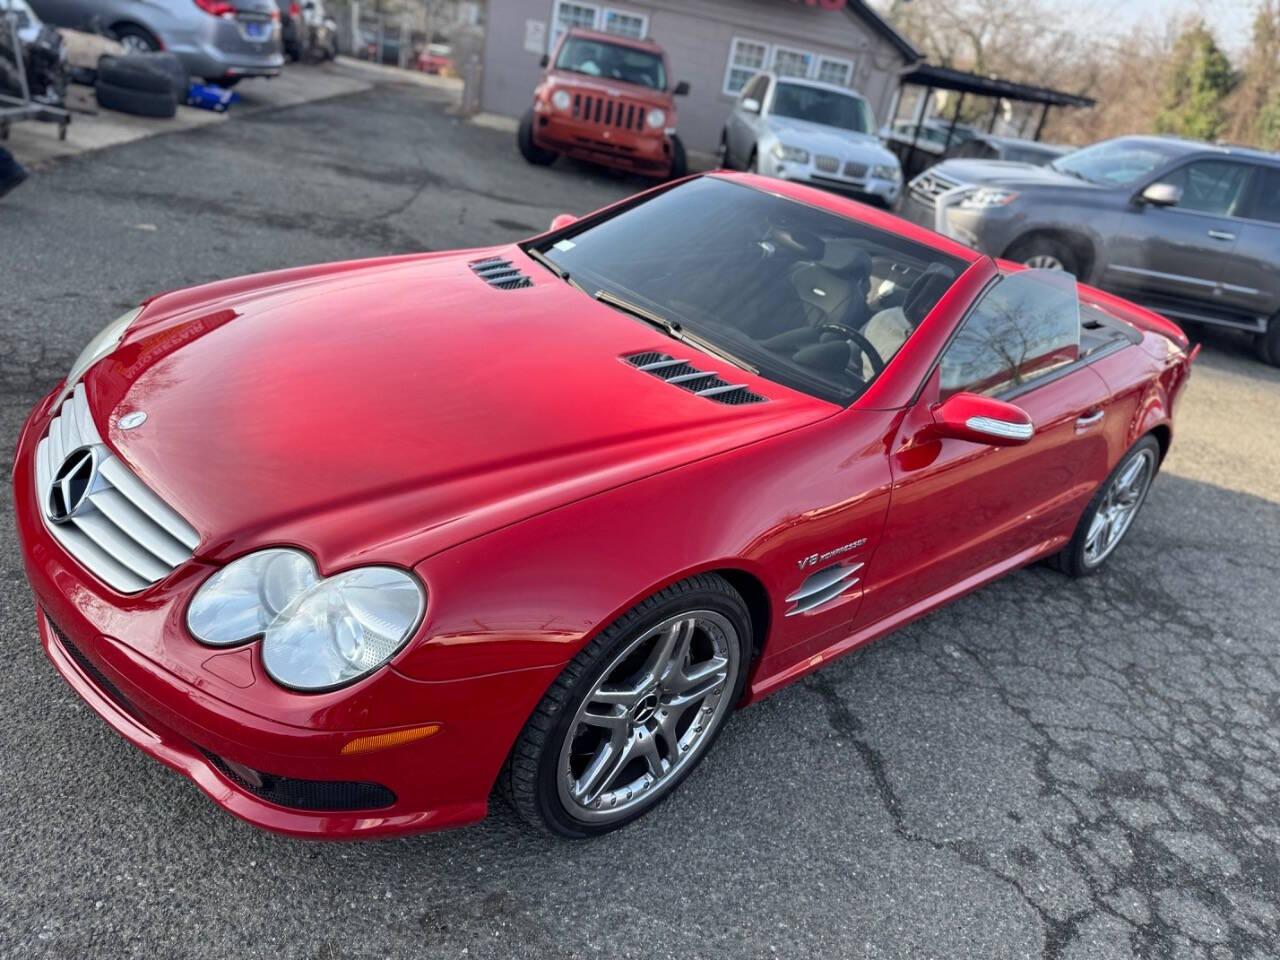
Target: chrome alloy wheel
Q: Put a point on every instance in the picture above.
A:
(649, 716)
(1118, 507)
(1044, 261)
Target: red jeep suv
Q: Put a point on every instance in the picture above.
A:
(605, 99)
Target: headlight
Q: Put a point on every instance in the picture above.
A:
(107, 339)
(317, 634)
(561, 100)
(655, 118)
(887, 171)
(793, 154)
(985, 197)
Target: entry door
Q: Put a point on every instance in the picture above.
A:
(959, 508)
(1252, 279)
(1183, 251)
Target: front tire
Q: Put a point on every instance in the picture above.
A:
(1111, 512)
(1267, 344)
(634, 712)
(1046, 253)
(528, 149)
(679, 159)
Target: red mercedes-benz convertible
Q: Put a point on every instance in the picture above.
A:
(353, 546)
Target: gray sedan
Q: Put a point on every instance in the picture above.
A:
(219, 40)
(1191, 230)
(817, 133)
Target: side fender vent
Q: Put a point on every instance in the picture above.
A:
(500, 274)
(701, 383)
(822, 587)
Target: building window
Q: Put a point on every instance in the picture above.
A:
(791, 63)
(831, 70)
(749, 57)
(567, 14)
(625, 24)
(746, 59)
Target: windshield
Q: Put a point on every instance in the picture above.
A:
(1034, 155)
(1116, 163)
(817, 105)
(810, 299)
(612, 61)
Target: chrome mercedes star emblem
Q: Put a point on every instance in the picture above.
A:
(130, 420)
(72, 484)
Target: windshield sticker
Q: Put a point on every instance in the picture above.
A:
(564, 245)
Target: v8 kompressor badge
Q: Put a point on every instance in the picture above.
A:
(813, 559)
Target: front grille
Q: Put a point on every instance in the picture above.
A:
(304, 794)
(927, 187)
(500, 274)
(700, 383)
(119, 530)
(87, 665)
(826, 164)
(608, 111)
(855, 170)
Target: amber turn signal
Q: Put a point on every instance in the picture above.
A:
(381, 741)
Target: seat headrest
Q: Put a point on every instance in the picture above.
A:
(926, 291)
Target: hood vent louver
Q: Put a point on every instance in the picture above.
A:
(701, 383)
(500, 274)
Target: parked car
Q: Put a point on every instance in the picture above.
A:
(606, 99)
(307, 32)
(384, 49)
(1186, 228)
(651, 465)
(28, 23)
(817, 133)
(222, 41)
(986, 146)
(918, 150)
(436, 59)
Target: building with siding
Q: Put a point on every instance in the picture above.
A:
(714, 45)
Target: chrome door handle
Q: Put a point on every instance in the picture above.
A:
(1089, 420)
(1221, 235)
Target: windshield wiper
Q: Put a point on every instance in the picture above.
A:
(672, 328)
(535, 254)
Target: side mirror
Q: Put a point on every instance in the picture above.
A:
(544, 61)
(563, 220)
(1162, 195)
(681, 90)
(967, 416)
(751, 105)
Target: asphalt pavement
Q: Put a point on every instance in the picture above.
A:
(1047, 768)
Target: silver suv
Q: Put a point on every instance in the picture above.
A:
(817, 133)
(1188, 229)
(219, 40)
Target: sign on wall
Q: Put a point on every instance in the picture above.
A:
(535, 35)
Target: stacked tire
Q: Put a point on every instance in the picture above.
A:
(142, 84)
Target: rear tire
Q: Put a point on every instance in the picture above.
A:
(530, 150)
(136, 38)
(1046, 253)
(1110, 514)
(1267, 344)
(664, 678)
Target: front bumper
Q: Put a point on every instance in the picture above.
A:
(882, 192)
(648, 154)
(129, 659)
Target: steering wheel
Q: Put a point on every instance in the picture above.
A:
(859, 341)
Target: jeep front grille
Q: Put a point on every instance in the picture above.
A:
(111, 522)
(608, 111)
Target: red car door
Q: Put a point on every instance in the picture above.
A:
(962, 510)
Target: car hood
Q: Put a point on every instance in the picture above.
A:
(1008, 173)
(818, 137)
(392, 408)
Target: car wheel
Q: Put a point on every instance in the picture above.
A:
(634, 712)
(1111, 511)
(722, 151)
(528, 149)
(136, 39)
(1046, 253)
(753, 165)
(679, 159)
(1267, 344)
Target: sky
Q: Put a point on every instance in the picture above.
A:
(1231, 20)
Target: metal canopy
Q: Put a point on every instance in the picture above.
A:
(945, 78)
